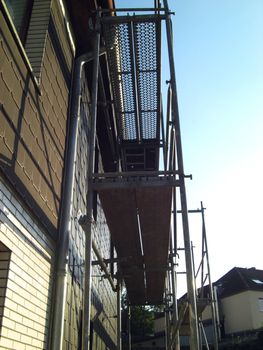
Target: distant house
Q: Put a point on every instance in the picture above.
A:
(239, 308)
(240, 296)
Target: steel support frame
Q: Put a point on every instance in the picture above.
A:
(177, 148)
(204, 270)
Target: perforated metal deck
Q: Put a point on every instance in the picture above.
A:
(133, 50)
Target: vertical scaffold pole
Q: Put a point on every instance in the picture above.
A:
(173, 272)
(173, 249)
(119, 289)
(193, 320)
(211, 290)
(88, 238)
(167, 314)
(129, 327)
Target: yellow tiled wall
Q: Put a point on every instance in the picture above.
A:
(27, 301)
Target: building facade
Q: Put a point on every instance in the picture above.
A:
(240, 294)
(38, 48)
(239, 303)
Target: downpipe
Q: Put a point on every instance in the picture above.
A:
(66, 210)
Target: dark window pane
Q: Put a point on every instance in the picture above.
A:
(20, 12)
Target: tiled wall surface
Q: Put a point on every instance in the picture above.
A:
(26, 311)
(103, 298)
(33, 126)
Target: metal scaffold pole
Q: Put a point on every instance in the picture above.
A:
(88, 240)
(211, 290)
(193, 319)
(119, 290)
(129, 327)
(167, 313)
(175, 307)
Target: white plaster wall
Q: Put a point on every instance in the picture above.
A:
(241, 312)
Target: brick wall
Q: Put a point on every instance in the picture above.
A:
(27, 303)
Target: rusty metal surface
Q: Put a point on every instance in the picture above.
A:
(144, 269)
(121, 215)
(155, 211)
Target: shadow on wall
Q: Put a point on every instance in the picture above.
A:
(31, 156)
(99, 322)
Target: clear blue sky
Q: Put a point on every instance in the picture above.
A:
(218, 47)
(219, 66)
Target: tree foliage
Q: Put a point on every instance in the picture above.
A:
(142, 320)
(142, 317)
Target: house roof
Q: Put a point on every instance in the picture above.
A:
(239, 280)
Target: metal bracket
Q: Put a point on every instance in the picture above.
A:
(189, 176)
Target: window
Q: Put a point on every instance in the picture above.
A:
(260, 304)
(20, 12)
(5, 254)
(257, 281)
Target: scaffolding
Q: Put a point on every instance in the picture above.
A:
(176, 312)
(140, 193)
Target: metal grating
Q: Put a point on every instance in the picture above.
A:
(148, 76)
(133, 49)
